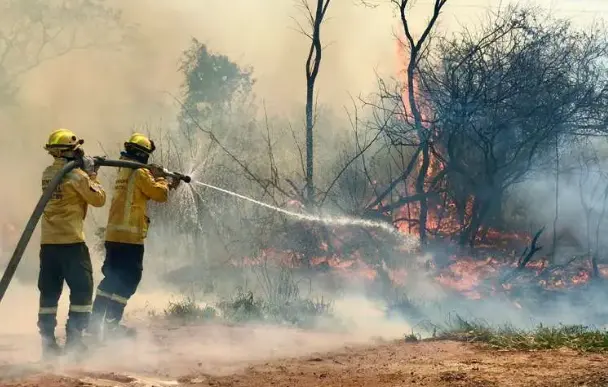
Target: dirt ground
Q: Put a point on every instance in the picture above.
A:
(222, 356)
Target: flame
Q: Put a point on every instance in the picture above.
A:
(469, 276)
(466, 274)
(442, 217)
(581, 277)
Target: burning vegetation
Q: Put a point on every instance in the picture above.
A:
(486, 148)
(451, 153)
(470, 187)
(469, 130)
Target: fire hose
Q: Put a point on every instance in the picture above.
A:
(13, 263)
(103, 162)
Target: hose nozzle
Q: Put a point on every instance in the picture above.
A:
(177, 175)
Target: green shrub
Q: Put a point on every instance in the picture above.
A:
(245, 307)
(188, 310)
(242, 307)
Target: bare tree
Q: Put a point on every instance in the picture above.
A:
(416, 48)
(37, 31)
(493, 123)
(593, 194)
(313, 62)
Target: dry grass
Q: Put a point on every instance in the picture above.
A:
(576, 337)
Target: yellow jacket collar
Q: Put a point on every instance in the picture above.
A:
(60, 161)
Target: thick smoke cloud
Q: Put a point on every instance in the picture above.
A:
(104, 94)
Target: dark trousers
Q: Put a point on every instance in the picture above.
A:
(70, 263)
(122, 270)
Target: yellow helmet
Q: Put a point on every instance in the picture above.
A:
(62, 140)
(141, 142)
(139, 147)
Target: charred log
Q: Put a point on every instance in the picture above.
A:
(526, 257)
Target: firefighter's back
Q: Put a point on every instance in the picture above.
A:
(63, 217)
(127, 220)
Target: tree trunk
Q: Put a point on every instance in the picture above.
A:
(313, 63)
(556, 216)
(309, 141)
(475, 225)
(424, 134)
(595, 271)
(479, 212)
(465, 235)
(424, 207)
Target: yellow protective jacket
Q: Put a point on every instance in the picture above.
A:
(128, 221)
(63, 216)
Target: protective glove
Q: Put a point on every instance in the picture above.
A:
(157, 171)
(96, 168)
(174, 183)
(88, 165)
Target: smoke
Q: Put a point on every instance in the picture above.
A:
(104, 93)
(170, 353)
(578, 191)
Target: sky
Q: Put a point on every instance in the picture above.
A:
(263, 34)
(359, 41)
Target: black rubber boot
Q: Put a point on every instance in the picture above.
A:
(74, 345)
(115, 331)
(50, 348)
(112, 328)
(96, 321)
(75, 349)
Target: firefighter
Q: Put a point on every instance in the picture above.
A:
(64, 255)
(125, 233)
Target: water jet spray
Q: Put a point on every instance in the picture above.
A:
(328, 220)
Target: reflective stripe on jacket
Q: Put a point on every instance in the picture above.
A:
(63, 216)
(128, 221)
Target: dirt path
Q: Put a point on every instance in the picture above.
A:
(222, 356)
(423, 364)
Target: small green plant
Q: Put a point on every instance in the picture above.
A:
(187, 310)
(209, 313)
(245, 307)
(300, 312)
(242, 307)
(411, 338)
(280, 303)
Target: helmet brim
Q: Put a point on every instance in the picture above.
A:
(139, 147)
(76, 145)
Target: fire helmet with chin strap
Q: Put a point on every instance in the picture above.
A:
(139, 147)
(62, 143)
